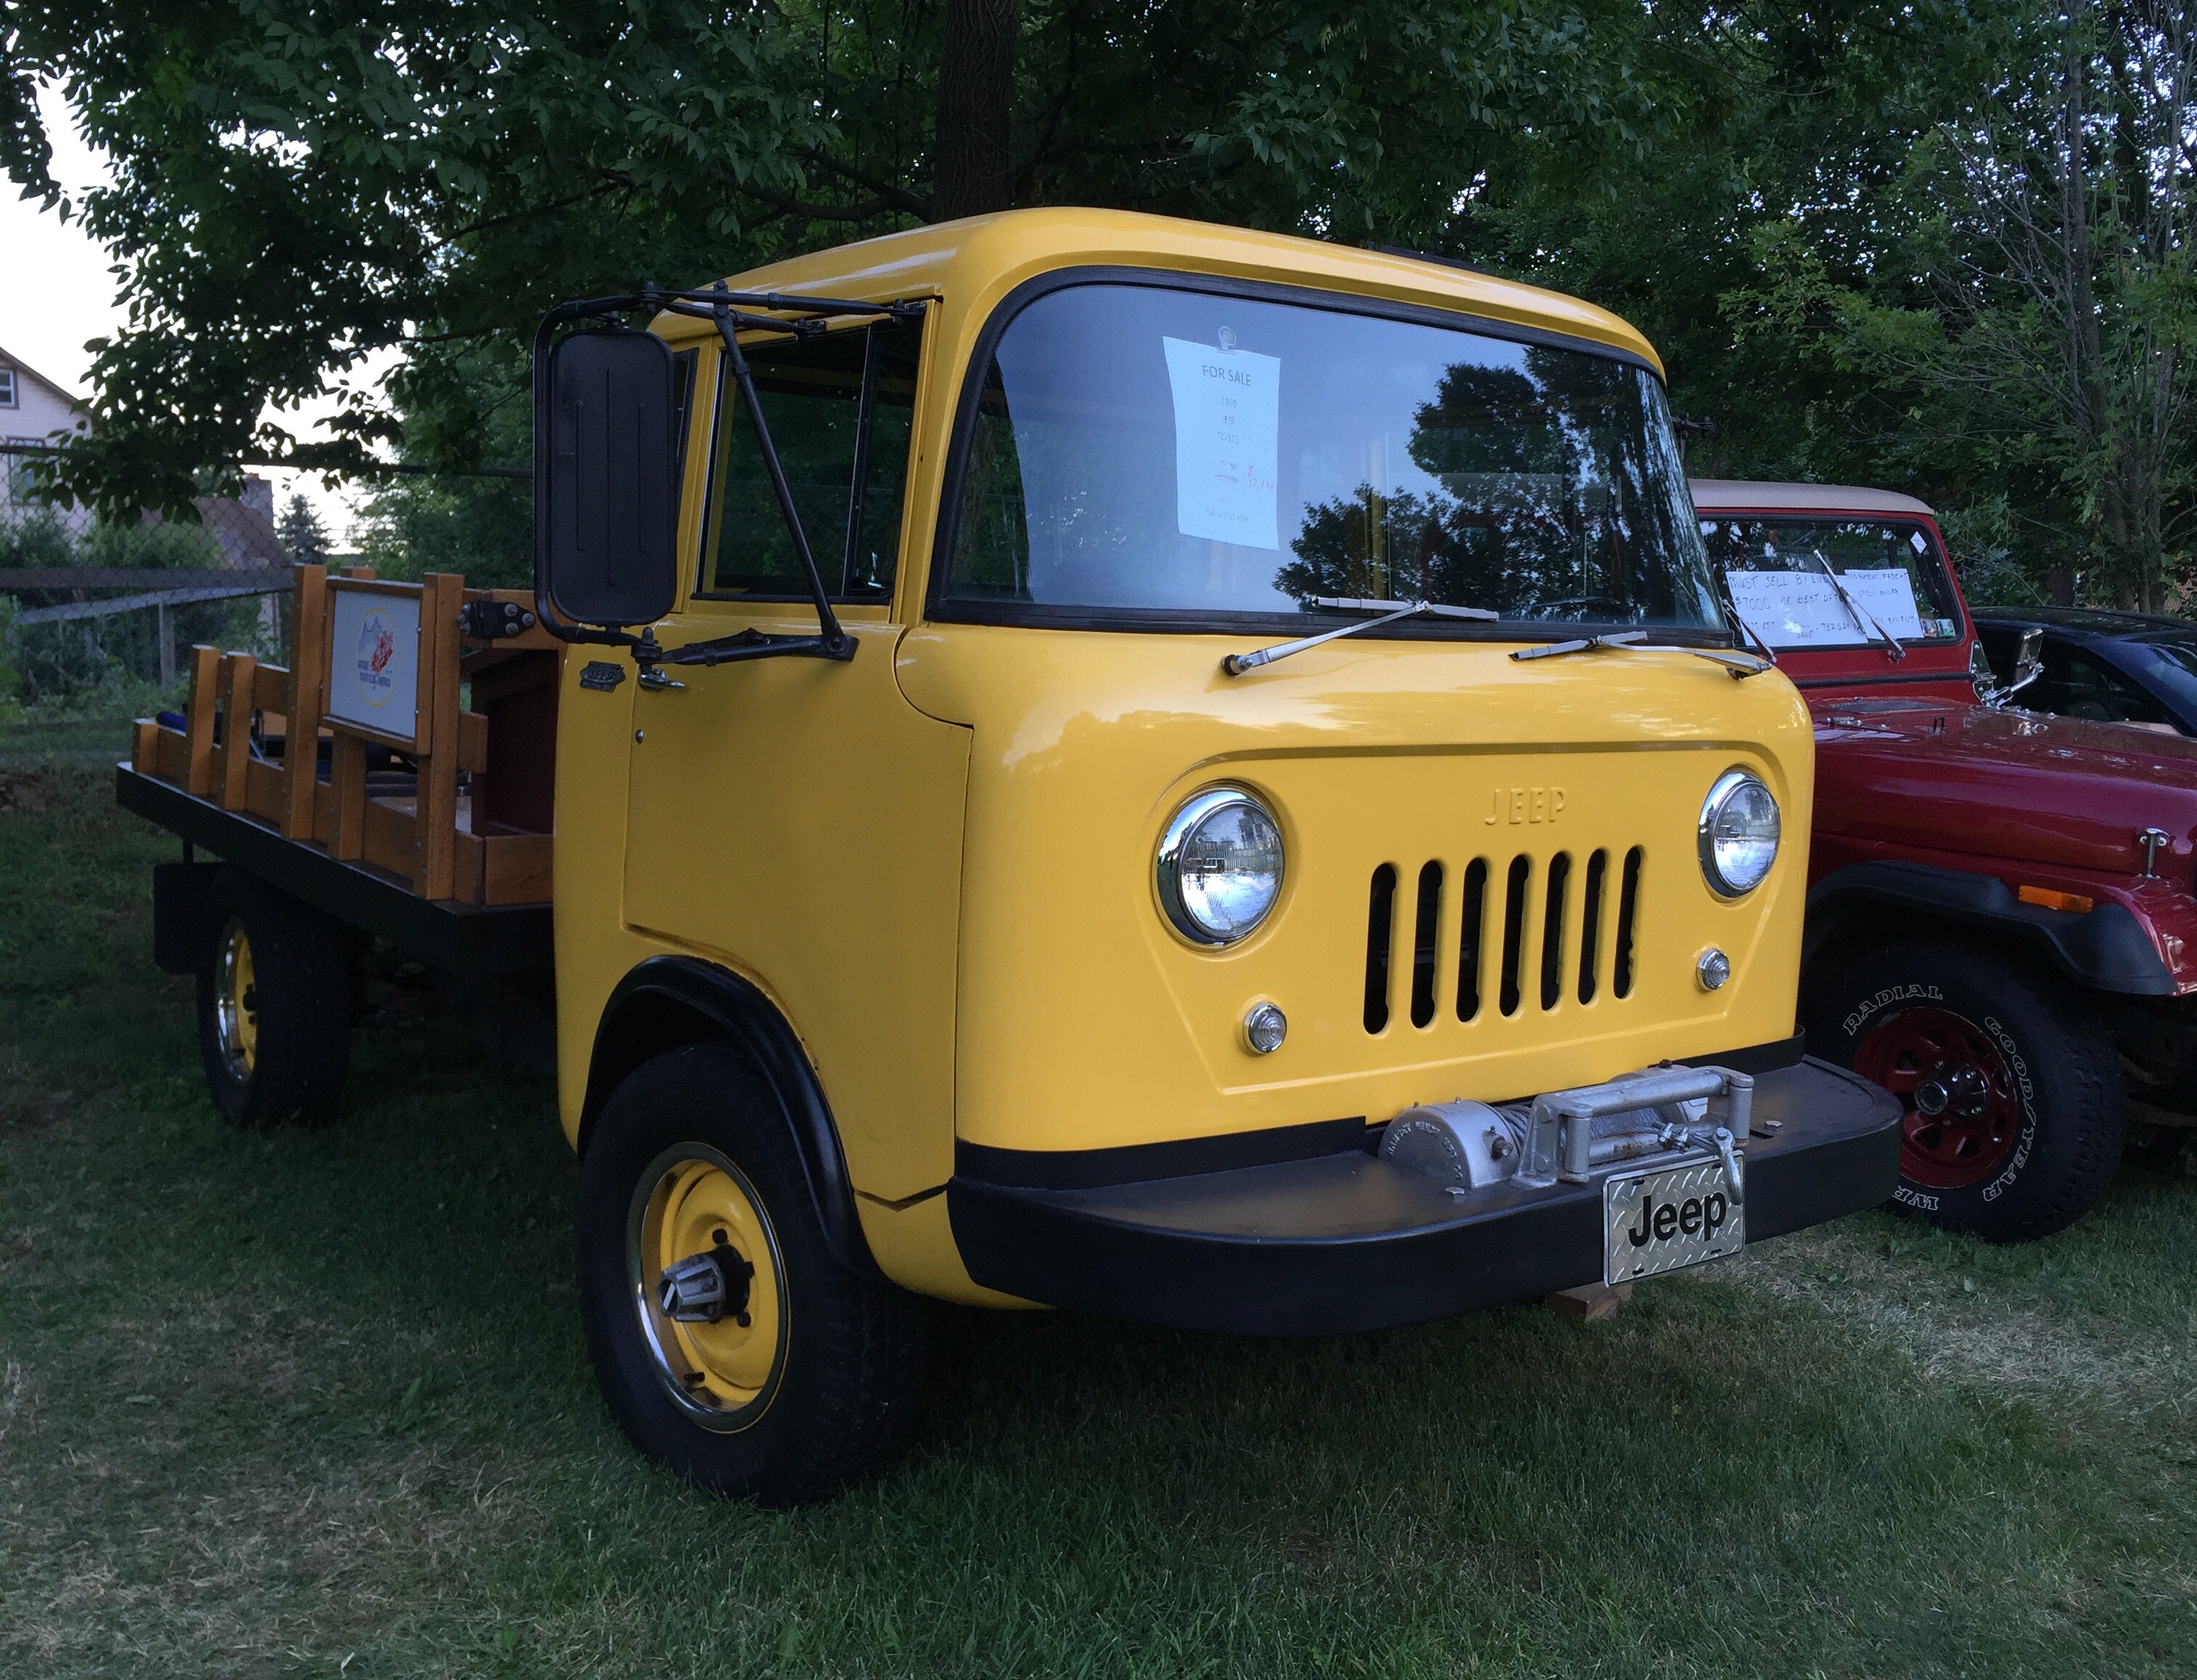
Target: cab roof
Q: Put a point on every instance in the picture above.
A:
(982, 258)
(1744, 496)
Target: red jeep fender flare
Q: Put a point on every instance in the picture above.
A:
(2105, 949)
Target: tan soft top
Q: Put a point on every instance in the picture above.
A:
(1742, 495)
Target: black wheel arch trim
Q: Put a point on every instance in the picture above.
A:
(724, 1006)
(2105, 948)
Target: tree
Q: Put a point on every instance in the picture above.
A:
(298, 185)
(974, 164)
(300, 532)
(2032, 301)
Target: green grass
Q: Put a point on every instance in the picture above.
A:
(317, 1403)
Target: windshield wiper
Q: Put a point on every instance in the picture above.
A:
(1864, 620)
(1742, 666)
(1235, 664)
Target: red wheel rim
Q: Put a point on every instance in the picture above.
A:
(1962, 1112)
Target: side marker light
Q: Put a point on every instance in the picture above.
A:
(2055, 900)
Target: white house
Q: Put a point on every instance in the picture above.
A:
(33, 407)
(34, 410)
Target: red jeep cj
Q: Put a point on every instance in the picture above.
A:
(2001, 925)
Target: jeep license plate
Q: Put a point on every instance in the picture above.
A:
(1663, 1220)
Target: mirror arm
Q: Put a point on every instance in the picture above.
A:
(834, 643)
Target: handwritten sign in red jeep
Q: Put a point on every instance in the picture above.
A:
(2001, 925)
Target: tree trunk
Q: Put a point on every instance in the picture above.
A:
(973, 162)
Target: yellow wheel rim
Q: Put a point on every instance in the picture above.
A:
(236, 1001)
(691, 1202)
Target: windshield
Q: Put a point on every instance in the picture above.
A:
(1892, 572)
(1191, 455)
(2172, 666)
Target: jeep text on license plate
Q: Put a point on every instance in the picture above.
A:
(1659, 1221)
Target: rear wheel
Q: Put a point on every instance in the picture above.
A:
(727, 1339)
(2013, 1111)
(274, 1004)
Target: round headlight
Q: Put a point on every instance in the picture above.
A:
(1220, 867)
(1738, 833)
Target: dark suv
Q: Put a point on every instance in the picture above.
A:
(2111, 667)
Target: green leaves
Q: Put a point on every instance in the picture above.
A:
(297, 186)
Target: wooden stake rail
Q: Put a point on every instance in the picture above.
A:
(456, 803)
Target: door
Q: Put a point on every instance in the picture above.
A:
(795, 819)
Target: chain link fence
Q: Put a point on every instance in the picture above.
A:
(99, 614)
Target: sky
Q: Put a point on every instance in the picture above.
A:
(57, 290)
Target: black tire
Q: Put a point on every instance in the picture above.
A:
(278, 1054)
(816, 1387)
(1988, 1052)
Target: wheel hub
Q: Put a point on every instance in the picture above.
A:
(705, 1289)
(236, 1000)
(708, 1286)
(1962, 1109)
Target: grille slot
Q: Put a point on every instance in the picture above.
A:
(1552, 931)
(1468, 944)
(1379, 931)
(1514, 932)
(1628, 910)
(1597, 868)
(1534, 956)
(1426, 931)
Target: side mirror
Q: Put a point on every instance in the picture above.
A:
(2028, 660)
(606, 509)
(2028, 666)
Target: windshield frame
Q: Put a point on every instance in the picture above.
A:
(1200, 621)
(1941, 557)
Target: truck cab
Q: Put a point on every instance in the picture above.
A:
(2002, 927)
(1110, 763)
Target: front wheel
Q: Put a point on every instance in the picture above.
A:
(2014, 1113)
(727, 1339)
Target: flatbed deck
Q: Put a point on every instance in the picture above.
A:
(457, 938)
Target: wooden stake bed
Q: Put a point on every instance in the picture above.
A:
(356, 780)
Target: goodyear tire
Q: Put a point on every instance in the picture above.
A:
(274, 1004)
(2014, 1113)
(727, 1339)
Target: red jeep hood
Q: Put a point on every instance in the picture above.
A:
(2013, 785)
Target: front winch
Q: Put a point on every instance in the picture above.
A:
(1567, 1134)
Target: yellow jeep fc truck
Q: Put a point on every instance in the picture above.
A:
(1099, 762)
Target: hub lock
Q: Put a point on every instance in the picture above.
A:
(706, 1288)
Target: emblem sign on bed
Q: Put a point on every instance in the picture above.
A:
(374, 661)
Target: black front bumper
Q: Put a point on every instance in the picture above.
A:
(1344, 1241)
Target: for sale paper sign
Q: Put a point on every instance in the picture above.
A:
(1800, 609)
(1228, 430)
(1886, 594)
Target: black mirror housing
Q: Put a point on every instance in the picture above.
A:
(606, 505)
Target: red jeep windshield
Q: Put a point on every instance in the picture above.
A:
(1892, 572)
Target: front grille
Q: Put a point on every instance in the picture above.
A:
(1552, 934)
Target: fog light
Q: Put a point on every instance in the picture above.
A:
(1264, 1029)
(1712, 970)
